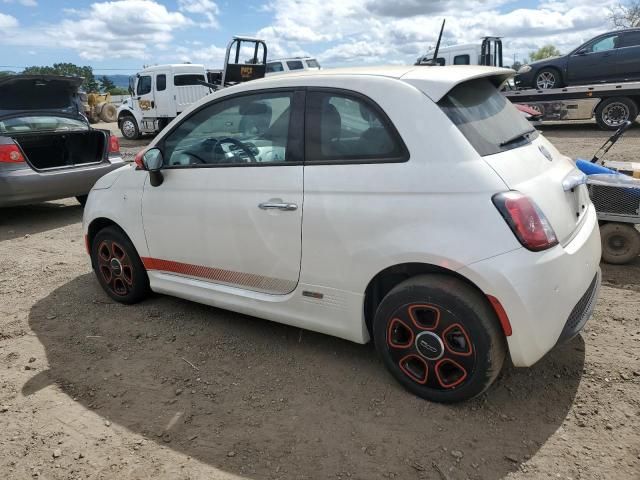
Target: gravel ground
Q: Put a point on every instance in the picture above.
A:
(169, 389)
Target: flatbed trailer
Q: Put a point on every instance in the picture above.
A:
(611, 104)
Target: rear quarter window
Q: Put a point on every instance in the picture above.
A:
(486, 118)
(189, 79)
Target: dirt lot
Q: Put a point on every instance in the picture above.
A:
(174, 390)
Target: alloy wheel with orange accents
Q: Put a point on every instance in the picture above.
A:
(439, 337)
(118, 266)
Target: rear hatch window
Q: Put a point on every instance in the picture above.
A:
(487, 119)
(40, 123)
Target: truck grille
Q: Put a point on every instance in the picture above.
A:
(581, 312)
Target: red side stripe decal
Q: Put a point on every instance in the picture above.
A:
(218, 275)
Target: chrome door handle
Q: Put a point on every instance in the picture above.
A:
(288, 207)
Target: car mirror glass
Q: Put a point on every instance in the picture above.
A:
(153, 159)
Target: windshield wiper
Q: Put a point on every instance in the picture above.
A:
(518, 137)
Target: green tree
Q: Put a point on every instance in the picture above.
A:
(626, 15)
(119, 91)
(69, 69)
(544, 52)
(107, 84)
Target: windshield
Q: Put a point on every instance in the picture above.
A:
(487, 119)
(313, 63)
(40, 124)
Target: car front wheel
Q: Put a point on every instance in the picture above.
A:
(440, 338)
(547, 78)
(118, 266)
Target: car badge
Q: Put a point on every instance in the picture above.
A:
(545, 152)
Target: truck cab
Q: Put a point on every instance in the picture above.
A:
(488, 52)
(158, 95)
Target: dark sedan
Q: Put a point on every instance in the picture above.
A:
(610, 57)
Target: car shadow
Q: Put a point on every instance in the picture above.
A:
(264, 400)
(31, 219)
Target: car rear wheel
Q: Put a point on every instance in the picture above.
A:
(547, 78)
(613, 112)
(129, 128)
(440, 338)
(620, 242)
(118, 266)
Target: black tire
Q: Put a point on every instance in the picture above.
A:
(613, 112)
(429, 306)
(126, 280)
(129, 127)
(82, 199)
(620, 242)
(549, 77)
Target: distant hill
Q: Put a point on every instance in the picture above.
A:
(121, 81)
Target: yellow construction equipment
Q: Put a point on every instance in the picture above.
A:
(99, 107)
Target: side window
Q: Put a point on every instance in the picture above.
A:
(604, 44)
(144, 85)
(461, 60)
(440, 61)
(342, 127)
(242, 130)
(187, 79)
(275, 67)
(161, 82)
(295, 65)
(630, 39)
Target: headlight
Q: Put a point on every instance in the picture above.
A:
(524, 69)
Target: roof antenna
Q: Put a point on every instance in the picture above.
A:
(435, 53)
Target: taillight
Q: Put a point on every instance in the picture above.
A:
(10, 153)
(138, 159)
(527, 221)
(114, 144)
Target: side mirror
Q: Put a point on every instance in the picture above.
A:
(152, 161)
(582, 51)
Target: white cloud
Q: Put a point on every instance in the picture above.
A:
(7, 21)
(119, 29)
(383, 31)
(208, 8)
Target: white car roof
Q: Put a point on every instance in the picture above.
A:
(435, 82)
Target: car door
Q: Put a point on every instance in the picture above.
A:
(163, 97)
(145, 97)
(628, 59)
(229, 210)
(595, 61)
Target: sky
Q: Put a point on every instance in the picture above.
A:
(120, 36)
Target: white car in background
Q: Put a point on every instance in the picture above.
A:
(294, 64)
(411, 206)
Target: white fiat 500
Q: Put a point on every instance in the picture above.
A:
(411, 206)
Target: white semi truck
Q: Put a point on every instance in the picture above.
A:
(162, 92)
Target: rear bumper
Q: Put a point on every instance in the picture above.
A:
(548, 296)
(25, 185)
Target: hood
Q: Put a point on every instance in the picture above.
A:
(51, 94)
(544, 60)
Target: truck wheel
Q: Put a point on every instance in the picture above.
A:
(613, 112)
(129, 128)
(109, 113)
(439, 338)
(620, 242)
(547, 78)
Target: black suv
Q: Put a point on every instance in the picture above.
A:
(610, 57)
